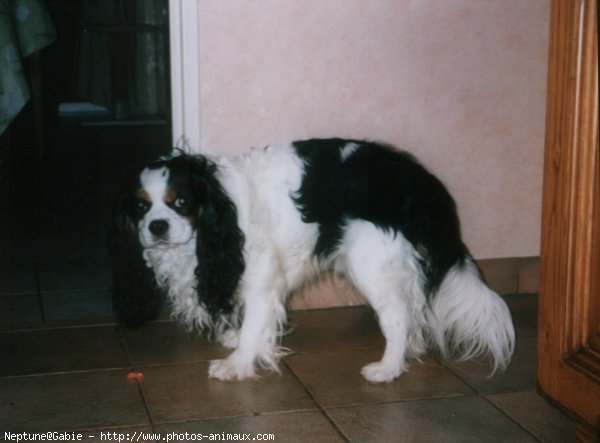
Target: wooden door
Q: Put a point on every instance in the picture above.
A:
(569, 317)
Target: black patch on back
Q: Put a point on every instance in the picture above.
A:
(386, 187)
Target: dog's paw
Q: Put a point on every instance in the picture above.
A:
(380, 372)
(229, 338)
(230, 369)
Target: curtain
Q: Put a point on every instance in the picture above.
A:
(122, 57)
(25, 28)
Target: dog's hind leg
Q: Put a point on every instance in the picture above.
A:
(393, 324)
(382, 265)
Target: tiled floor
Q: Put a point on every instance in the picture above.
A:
(48, 290)
(73, 376)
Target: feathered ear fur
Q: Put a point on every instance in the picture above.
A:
(219, 243)
(136, 297)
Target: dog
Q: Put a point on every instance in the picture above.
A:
(228, 238)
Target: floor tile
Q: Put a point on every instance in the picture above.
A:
(73, 275)
(77, 305)
(184, 392)
(520, 375)
(534, 413)
(19, 308)
(167, 342)
(291, 427)
(334, 379)
(523, 329)
(461, 420)
(333, 329)
(430, 402)
(524, 307)
(17, 277)
(58, 350)
(85, 400)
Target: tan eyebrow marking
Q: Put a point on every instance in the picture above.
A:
(170, 195)
(141, 193)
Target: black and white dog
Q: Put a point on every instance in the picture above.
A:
(227, 239)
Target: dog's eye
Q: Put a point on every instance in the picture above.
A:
(180, 202)
(142, 205)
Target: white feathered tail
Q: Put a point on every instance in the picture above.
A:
(470, 320)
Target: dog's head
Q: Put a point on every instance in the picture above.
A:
(173, 201)
(166, 200)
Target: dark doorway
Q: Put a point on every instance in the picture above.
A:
(100, 106)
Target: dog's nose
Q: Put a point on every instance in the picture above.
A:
(158, 227)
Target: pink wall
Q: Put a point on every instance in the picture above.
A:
(460, 83)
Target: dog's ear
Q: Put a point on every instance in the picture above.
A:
(219, 244)
(136, 297)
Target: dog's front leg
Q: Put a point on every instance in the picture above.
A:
(261, 330)
(258, 344)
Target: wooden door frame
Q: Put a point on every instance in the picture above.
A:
(568, 357)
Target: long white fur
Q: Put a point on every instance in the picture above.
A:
(465, 317)
(471, 319)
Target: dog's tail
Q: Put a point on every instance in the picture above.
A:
(469, 320)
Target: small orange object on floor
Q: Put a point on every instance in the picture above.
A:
(131, 375)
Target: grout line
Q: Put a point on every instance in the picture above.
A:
(312, 397)
(125, 347)
(240, 415)
(145, 403)
(484, 397)
(37, 326)
(503, 412)
(64, 372)
(137, 382)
